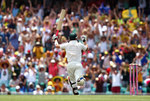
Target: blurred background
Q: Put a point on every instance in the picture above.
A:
(117, 33)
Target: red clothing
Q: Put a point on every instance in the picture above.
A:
(97, 2)
(53, 69)
(84, 64)
(115, 89)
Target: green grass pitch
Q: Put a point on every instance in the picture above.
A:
(73, 98)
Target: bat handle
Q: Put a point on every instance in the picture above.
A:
(57, 32)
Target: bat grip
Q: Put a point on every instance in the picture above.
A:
(57, 32)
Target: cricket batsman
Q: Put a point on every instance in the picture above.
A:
(73, 54)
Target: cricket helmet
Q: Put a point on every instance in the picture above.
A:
(73, 36)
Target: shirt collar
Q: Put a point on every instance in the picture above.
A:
(73, 41)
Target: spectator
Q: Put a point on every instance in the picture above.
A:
(106, 60)
(38, 91)
(16, 67)
(4, 47)
(62, 68)
(26, 42)
(3, 89)
(66, 86)
(94, 71)
(48, 45)
(116, 79)
(14, 81)
(125, 75)
(140, 79)
(99, 84)
(19, 26)
(49, 90)
(50, 83)
(58, 83)
(38, 50)
(90, 41)
(4, 72)
(14, 39)
(42, 76)
(1, 42)
(28, 45)
(66, 30)
(105, 79)
(3, 34)
(53, 68)
(10, 48)
(30, 73)
(15, 9)
(135, 38)
(103, 45)
(88, 83)
(31, 87)
(142, 5)
(90, 58)
(147, 82)
(45, 36)
(18, 92)
(22, 83)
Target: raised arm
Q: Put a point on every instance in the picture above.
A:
(44, 3)
(85, 43)
(69, 21)
(95, 6)
(31, 9)
(79, 7)
(139, 14)
(12, 5)
(121, 69)
(92, 7)
(147, 27)
(53, 13)
(55, 39)
(116, 16)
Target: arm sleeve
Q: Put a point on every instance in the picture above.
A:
(34, 50)
(119, 73)
(10, 82)
(41, 49)
(63, 46)
(83, 47)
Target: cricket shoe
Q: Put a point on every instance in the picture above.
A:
(74, 89)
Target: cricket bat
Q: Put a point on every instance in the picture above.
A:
(62, 15)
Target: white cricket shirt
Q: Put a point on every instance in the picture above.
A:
(73, 50)
(116, 80)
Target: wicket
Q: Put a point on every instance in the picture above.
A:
(132, 68)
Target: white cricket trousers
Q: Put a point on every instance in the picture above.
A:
(74, 70)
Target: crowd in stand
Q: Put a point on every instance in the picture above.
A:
(30, 63)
